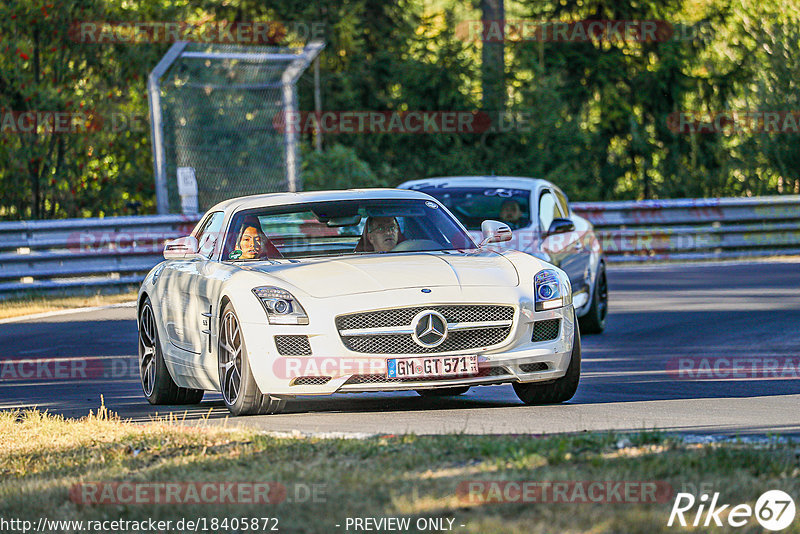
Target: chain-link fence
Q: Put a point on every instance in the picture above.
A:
(217, 108)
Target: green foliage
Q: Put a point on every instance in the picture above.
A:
(96, 161)
(773, 31)
(594, 116)
(336, 168)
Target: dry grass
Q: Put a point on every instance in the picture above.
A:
(29, 305)
(42, 456)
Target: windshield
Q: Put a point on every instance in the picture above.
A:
(334, 228)
(473, 205)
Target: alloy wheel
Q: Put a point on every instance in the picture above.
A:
(602, 287)
(147, 349)
(230, 358)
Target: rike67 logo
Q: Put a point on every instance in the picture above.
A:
(774, 510)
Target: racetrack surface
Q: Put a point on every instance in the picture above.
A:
(659, 317)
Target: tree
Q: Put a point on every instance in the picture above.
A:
(493, 73)
(75, 135)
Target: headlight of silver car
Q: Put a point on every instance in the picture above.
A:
(281, 306)
(551, 289)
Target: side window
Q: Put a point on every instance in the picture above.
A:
(209, 233)
(547, 210)
(563, 205)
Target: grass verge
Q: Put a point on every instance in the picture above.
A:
(20, 305)
(42, 457)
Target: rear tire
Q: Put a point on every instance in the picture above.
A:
(594, 322)
(239, 389)
(561, 389)
(157, 384)
(443, 392)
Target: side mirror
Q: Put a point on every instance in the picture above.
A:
(560, 226)
(181, 248)
(495, 232)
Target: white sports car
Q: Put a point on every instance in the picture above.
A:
(287, 294)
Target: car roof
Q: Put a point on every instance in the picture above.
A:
(515, 182)
(279, 199)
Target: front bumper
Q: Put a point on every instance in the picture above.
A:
(516, 359)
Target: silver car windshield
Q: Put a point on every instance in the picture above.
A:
(335, 228)
(473, 205)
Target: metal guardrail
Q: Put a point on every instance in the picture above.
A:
(70, 253)
(120, 250)
(695, 229)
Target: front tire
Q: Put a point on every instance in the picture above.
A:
(594, 322)
(157, 384)
(443, 392)
(559, 390)
(239, 389)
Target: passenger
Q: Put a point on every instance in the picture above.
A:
(381, 234)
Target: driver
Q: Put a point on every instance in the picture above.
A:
(381, 234)
(511, 213)
(251, 240)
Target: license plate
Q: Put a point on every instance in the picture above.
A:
(432, 366)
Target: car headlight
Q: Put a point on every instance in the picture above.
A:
(551, 290)
(281, 306)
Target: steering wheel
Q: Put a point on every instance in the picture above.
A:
(416, 245)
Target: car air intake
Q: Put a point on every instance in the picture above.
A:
(382, 379)
(546, 330)
(533, 367)
(293, 345)
(311, 381)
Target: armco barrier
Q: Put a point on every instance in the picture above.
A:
(120, 250)
(695, 229)
(84, 252)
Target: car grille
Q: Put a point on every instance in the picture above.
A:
(293, 345)
(474, 337)
(403, 316)
(546, 330)
(533, 367)
(403, 344)
(383, 379)
(311, 380)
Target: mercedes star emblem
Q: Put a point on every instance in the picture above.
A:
(430, 329)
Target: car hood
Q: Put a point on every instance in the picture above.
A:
(333, 277)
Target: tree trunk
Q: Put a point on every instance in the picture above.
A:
(492, 55)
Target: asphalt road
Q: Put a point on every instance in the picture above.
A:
(706, 349)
